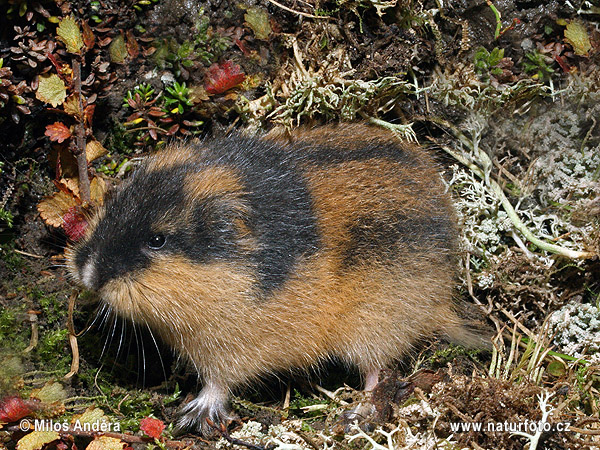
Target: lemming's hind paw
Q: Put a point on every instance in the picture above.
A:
(210, 404)
(362, 414)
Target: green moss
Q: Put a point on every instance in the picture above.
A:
(13, 333)
(442, 357)
(53, 349)
(206, 48)
(10, 370)
(119, 143)
(14, 262)
(53, 309)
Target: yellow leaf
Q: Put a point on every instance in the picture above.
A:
(52, 209)
(576, 34)
(51, 392)
(118, 49)
(106, 443)
(94, 150)
(36, 440)
(68, 31)
(92, 416)
(97, 190)
(71, 184)
(51, 89)
(71, 106)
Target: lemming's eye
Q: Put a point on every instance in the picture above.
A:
(157, 241)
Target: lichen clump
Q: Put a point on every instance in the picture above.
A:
(577, 330)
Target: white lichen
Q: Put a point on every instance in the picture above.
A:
(576, 329)
(541, 426)
(483, 222)
(278, 437)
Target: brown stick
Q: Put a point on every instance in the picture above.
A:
(79, 151)
(129, 438)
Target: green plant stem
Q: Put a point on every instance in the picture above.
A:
(405, 131)
(484, 159)
(498, 19)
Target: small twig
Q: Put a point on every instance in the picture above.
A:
(133, 130)
(516, 321)
(129, 438)
(31, 255)
(75, 352)
(300, 13)
(34, 331)
(72, 336)
(79, 151)
(288, 395)
(584, 431)
(330, 394)
(308, 440)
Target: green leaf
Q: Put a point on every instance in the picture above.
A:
(68, 31)
(51, 89)
(556, 369)
(576, 34)
(258, 20)
(118, 50)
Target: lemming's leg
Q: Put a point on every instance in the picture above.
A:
(371, 379)
(211, 403)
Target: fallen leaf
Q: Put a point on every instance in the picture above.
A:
(106, 443)
(36, 440)
(71, 105)
(74, 224)
(152, 427)
(88, 35)
(97, 190)
(222, 77)
(576, 34)
(68, 31)
(52, 209)
(51, 392)
(88, 114)
(68, 185)
(92, 416)
(258, 20)
(133, 48)
(58, 132)
(13, 408)
(51, 89)
(94, 150)
(118, 50)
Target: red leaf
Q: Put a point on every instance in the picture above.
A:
(222, 77)
(173, 130)
(156, 112)
(13, 408)
(242, 46)
(88, 35)
(74, 224)
(88, 113)
(152, 427)
(57, 132)
(133, 47)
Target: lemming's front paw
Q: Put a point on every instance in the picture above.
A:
(210, 404)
